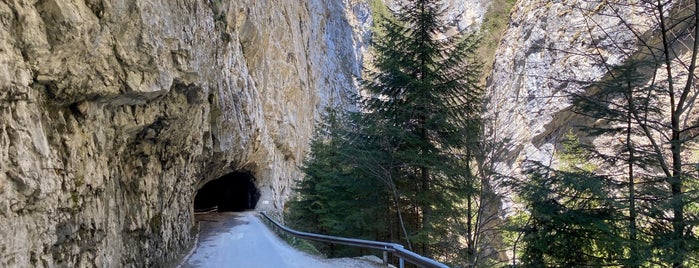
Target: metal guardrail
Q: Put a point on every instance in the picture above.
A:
(395, 249)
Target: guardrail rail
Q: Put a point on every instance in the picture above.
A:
(393, 248)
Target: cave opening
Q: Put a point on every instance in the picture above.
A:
(232, 192)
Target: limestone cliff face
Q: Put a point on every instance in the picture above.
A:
(550, 49)
(114, 113)
(464, 14)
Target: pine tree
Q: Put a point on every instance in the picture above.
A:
(402, 167)
(573, 216)
(423, 106)
(628, 163)
(312, 210)
(644, 184)
(330, 199)
(649, 100)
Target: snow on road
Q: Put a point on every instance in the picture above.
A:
(241, 240)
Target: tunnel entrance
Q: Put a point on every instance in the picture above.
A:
(232, 192)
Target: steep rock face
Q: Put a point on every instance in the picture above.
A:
(549, 50)
(464, 14)
(113, 114)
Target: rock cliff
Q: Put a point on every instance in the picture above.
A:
(114, 113)
(549, 50)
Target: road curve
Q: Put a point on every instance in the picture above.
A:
(232, 239)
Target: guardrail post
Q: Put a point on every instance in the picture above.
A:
(385, 258)
(401, 263)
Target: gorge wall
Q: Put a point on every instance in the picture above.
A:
(549, 50)
(114, 113)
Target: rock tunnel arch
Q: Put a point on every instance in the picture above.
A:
(234, 191)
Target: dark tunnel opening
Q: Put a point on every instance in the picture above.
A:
(232, 192)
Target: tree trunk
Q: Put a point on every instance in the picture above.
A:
(675, 180)
(633, 249)
(426, 210)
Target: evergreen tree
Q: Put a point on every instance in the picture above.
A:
(423, 106)
(629, 163)
(330, 199)
(645, 188)
(573, 214)
(649, 101)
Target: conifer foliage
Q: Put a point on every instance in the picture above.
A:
(402, 168)
(638, 208)
(424, 102)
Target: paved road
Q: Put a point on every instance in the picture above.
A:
(242, 240)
